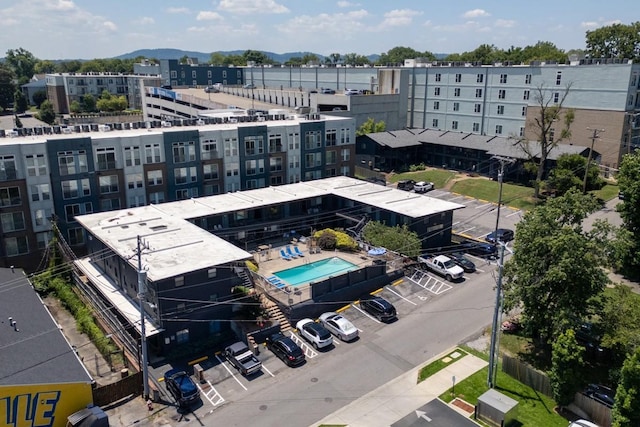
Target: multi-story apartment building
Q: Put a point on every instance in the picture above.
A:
(175, 74)
(63, 172)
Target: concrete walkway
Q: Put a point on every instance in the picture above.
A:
(402, 396)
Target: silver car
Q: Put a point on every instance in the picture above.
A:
(339, 326)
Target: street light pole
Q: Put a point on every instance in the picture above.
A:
(143, 338)
(586, 168)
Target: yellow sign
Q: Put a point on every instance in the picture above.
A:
(42, 405)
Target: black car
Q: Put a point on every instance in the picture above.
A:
(286, 349)
(480, 249)
(500, 235)
(378, 307)
(601, 393)
(462, 261)
(406, 184)
(181, 386)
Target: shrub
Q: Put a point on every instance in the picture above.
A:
(329, 239)
(251, 266)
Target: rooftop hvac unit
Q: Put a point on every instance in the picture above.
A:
(233, 120)
(104, 128)
(261, 118)
(166, 124)
(12, 134)
(200, 122)
(67, 130)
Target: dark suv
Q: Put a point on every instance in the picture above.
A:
(601, 393)
(480, 249)
(406, 184)
(378, 307)
(286, 349)
(181, 387)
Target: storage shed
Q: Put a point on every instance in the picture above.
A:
(496, 409)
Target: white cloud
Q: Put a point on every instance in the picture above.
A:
(592, 25)
(145, 20)
(505, 23)
(399, 17)
(109, 26)
(475, 13)
(336, 25)
(347, 4)
(206, 15)
(244, 7)
(177, 10)
(589, 25)
(59, 5)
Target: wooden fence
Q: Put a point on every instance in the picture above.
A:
(109, 393)
(527, 375)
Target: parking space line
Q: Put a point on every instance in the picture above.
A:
(428, 282)
(456, 198)
(466, 229)
(481, 237)
(397, 294)
(483, 205)
(515, 213)
(268, 371)
(308, 351)
(366, 314)
(213, 395)
(223, 363)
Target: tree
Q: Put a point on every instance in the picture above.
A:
(371, 126)
(88, 104)
(629, 182)
(620, 321)
(550, 113)
(626, 410)
(218, 58)
(335, 58)
(18, 122)
(46, 113)
(7, 87)
(398, 54)
(39, 97)
(22, 62)
(20, 103)
(555, 270)
(256, 57)
(544, 51)
(398, 239)
(615, 41)
(569, 173)
(44, 66)
(566, 366)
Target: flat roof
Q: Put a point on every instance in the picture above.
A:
(37, 352)
(173, 246)
(391, 199)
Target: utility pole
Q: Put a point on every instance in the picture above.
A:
(142, 277)
(586, 169)
(493, 362)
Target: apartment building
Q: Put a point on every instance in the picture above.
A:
(176, 74)
(61, 172)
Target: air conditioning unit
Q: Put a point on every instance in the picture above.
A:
(67, 130)
(233, 120)
(261, 118)
(166, 124)
(12, 134)
(104, 128)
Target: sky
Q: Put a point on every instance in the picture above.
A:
(87, 29)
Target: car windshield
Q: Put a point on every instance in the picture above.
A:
(449, 264)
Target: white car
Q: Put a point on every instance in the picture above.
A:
(583, 423)
(423, 186)
(339, 326)
(352, 92)
(315, 333)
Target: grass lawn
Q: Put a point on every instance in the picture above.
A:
(517, 196)
(439, 177)
(608, 192)
(439, 364)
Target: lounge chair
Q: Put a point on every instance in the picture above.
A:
(298, 251)
(290, 252)
(273, 279)
(284, 256)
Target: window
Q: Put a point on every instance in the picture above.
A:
(458, 78)
(479, 78)
(252, 183)
(331, 157)
(209, 149)
(436, 91)
(72, 162)
(500, 110)
(12, 221)
(477, 108)
(16, 245)
(185, 175)
(454, 125)
(132, 156)
(134, 180)
(345, 154)
(230, 147)
(313, 160)
(456, 106)
(156, 197)
(10, 196)
(275, 143)
(174, 74)
(456, 91)
(108, 184)
(476, 127)
(36, 165)
(436, 105)
(345, 136)
(294, 141)
(154, 177)
(556, 97)
(106, 158)
(438, 77)
(254, 167)
(70, 189)
(210, 172)
(43, 239)
(331, 137)
(193, 74)
(232, 169)
(275, 164)
(552, 134)
(184, 152)
(312, 140)
(558, 78)
(152, 153)
(521, 133)
(71, 211)
(502, 94)
(524, 111)
(294, 161)
(434, 123)
(527, 79)
(109, 204)
(498, 129)
(525, 95)
(478, 93)
(253, 145)
(211, 273)
(503, 78)
(182, 336)
(276, 180)
(136, 200)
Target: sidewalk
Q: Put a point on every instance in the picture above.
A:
(401, 396)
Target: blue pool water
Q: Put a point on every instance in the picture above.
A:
(314, 271)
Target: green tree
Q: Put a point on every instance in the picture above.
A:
(39, 97)
(371, 126)
(566, 367)
(569, 173)
(294, 61)
(44, 66)
(615, 41)
(620, 321)
(549, 116)
(626, 410)
(72, 66)
(47, 113)
(218, 58)
(310, 58)
(88, 104)
(18, 122)
(398, 54)
(555, 270)
(75, 107)
(335, 58)
(20, 103)
(7, 87)
(543, 51)
(629, 182)
(256, 57)
(398, 239)
(23, 64)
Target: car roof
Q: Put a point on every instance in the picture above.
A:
(237, 346)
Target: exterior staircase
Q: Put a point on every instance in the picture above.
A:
(275, 315)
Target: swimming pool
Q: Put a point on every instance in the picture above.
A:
(314, 271)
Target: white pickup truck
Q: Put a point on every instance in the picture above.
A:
(442, 265)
